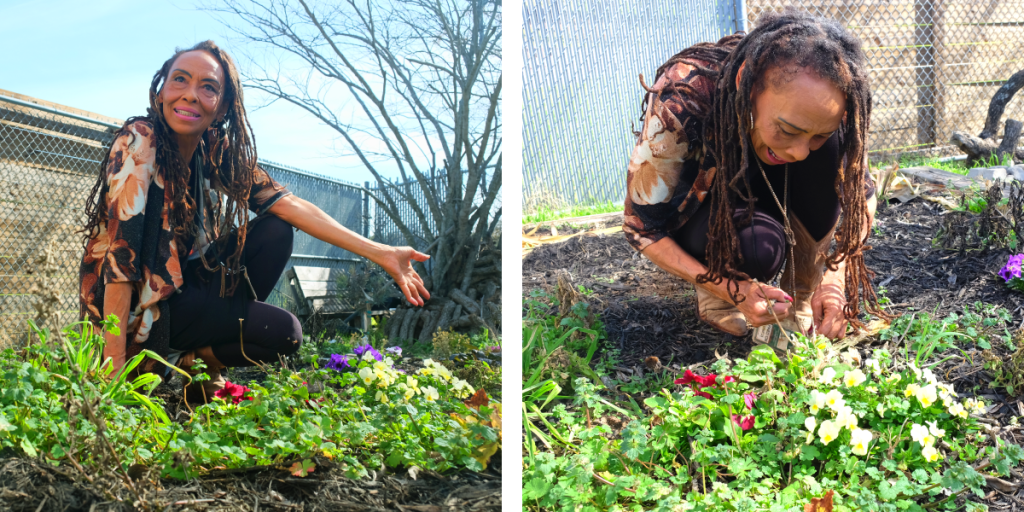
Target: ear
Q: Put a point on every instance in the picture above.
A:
(739, 74)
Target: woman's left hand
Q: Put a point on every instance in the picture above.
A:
(397, 261)
(827, 304)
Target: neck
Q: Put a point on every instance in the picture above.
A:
(187, 145)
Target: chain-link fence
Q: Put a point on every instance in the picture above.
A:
(49, 157)
(934, 66)
(581, 91)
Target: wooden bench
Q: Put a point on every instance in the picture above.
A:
(316, 291)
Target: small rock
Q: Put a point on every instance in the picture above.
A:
(1017, 172)
(994, 173)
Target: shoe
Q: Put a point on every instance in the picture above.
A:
(202, 392)
(807, 269)
(720, 314)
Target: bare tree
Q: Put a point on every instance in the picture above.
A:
(412, 84)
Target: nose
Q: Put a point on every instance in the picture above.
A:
(798, 151)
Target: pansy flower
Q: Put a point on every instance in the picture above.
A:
(338, 362)
(234, 392)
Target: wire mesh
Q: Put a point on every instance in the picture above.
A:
(934, 66)
(48, 164)
(581, 92)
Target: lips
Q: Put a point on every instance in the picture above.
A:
(186, 113)
(774, 159)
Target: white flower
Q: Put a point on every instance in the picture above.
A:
(975, 405)
(462, 388)
(810, 423)
(367, 375)
(920, 434)
(935, 430)
(381, 397)
(957, 409)
(881, 410)
(926, 395)
(860, 439)
(911, 390)
(834, 400)
(871, 389)
(873, 365)
(846, 418)
(893, 378)
(913, 368)
(817, 401)
(828, 431)
(930, 454)
(929, 376)
(854, 378)
(430, 393)
(827, 376)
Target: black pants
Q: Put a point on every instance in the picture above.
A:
(763, 243)
(200, 317)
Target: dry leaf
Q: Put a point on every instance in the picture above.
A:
(823, 504)
(477, 400)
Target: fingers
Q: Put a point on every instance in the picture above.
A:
(419, 256)
(411, 293)
(833, 325)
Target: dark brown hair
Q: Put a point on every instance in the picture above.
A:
(800, 40)
(230, 156)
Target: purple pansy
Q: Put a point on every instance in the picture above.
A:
(362, 349)
(1012, 268)
(396, 351)
(338, 362)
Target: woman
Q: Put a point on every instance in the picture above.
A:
(170, 248)
(746, 150)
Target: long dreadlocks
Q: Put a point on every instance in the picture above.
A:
(231, 158)
(793, 39)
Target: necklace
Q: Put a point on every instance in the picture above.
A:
(784, 208)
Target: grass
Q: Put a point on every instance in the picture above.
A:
(544, 214)
(954, 166)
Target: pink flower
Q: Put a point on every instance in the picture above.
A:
(728, 378)
(703, 394)
(746, 423)
(707, 380)
(749, 399)
(233, 391)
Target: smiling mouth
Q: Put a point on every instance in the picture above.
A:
(773, 155)
(190, 114)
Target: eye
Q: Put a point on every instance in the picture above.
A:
(784, 132)
(211, 88)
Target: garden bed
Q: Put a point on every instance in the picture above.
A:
(650, 333)
(302, 438)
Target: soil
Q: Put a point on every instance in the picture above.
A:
(650, 315)
(28, 485)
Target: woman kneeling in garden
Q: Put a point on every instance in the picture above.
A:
(170, 248)
(747, 148)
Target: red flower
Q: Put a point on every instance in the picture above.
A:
(746, 423)
(707, 380)
(234, 391)
(728, 378)
(703, 394)
(687, 378)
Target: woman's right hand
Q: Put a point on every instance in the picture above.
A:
(758, 298)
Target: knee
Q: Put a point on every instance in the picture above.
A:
(277, 230)
(292, 336)
(763, 245)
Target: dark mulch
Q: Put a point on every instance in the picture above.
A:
(648, 312)
(27, 485)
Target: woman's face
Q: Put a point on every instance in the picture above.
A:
(795, 114)
(193, 93)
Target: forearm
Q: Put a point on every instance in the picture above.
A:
(667, 254)
(312, 220)
(116, 301)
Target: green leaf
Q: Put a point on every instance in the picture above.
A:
(302, 469)
(536, 489)
(768, 438)
(30, 449)
(809, 452)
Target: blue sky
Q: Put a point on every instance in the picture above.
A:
(100, 55)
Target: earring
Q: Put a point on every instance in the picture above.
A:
(751, 119)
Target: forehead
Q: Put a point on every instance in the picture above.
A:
(799, 92)
(200, 64)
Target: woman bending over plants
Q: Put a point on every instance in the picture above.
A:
(170, 248)
(752, 153)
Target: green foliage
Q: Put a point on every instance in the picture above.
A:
(59, 401)
(546, 214)
(446, 343)
(872, 435)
